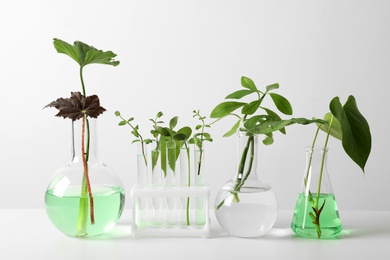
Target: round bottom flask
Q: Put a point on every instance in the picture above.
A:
(85, 198)
(245, 206)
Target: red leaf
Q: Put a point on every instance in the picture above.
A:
(77, 106)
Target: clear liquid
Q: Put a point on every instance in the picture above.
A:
(63, 210)
(330, 223)
(253, 216)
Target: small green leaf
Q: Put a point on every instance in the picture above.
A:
(272, 87)
(206, 135)
(248, 83)
(268, 140)
(251, 108)
(233, 130)
(135, 133)
(148, 141)
(173, 122)
(124, 122)
(240, 94)
(225, 109)
(282, 104)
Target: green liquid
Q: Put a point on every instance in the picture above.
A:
(63, 210)
(302, 223)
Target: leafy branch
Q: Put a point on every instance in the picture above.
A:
(265, 122)
(136, 133)
(200, 137)
(347, 124)
(78, 106)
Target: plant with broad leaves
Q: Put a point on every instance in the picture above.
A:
(171, 137)
(266, 122)
(348, 125)
(81, 106)
(171, 143)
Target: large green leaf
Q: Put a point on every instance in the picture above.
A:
(66, 48)
(255, 120)
(84, 54)
(282, 103)
(275, 116)
(268, 126)
(186, 131)
(225, 109)
(100, 57)
(356, 137)
(163, 131)
(272, 87)
(179, 137)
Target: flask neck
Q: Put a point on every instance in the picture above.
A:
(316, 178)
(84, 140)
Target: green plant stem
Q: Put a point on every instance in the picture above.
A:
(188, 184)
(83, 210)
(141, 140)
(201, 148)
(86, 173)
(86, 189)
(309, 165)
(323, 161)
(316, 218)
(241, 178)
(82, 80)
(250, 144)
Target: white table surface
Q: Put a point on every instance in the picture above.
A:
(28, 234)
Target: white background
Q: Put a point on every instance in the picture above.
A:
(179, 55)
